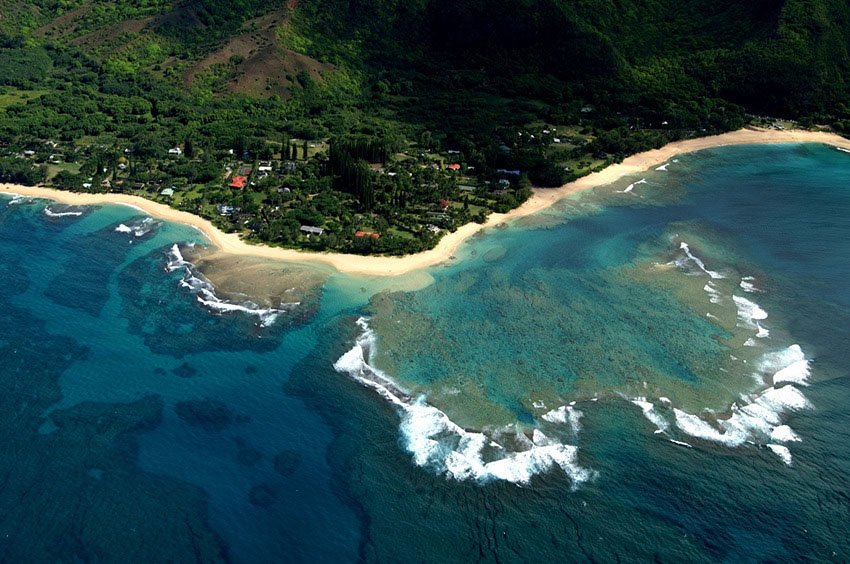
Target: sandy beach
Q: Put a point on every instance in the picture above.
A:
(390, 266)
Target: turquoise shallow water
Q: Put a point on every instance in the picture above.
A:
(139, 426)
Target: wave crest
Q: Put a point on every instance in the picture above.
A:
(436, 442)
(760, 418)
(204, 292)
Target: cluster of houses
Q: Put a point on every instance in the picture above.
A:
(243, 175)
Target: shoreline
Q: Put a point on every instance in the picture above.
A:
(231, 243)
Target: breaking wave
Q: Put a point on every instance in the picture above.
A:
(748, 286)
(749, 313)
(18, 199)
(69, 212)
(758, 418)
(140, 227)
(204, 292)
(690, 257)
(631, 187)
(434, 441)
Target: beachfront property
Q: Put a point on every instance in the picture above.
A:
(311, 230)
(239, 182)
(367, 235)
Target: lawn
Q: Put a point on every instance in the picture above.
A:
(10, 97)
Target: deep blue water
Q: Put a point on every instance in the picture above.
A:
(137, 426)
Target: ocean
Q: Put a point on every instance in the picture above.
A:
(654, 369)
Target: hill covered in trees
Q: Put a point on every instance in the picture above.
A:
(355, 109)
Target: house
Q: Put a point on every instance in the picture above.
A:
(453, 166)
(504, 182)
(466, 188)
(239, 182)
(367, 234)
(310, 230)
(167, 192)
(512, 172)
(175, 151)
(225, 210)
(444, 204)
(265, 167)
(499, 192)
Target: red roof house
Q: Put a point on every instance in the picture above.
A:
(371, 234)
(453, 166)
(239, 182)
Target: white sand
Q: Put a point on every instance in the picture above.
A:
(390, 266)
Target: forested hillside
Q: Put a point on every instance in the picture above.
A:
(94, 95)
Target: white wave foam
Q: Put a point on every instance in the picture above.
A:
(789, 365)
(436, 442)
(784, 434)
(749, 313)
(697, 261)
(650, 413)
(796, 373)
(760, 417)
(140, 227)
(843, 150)
(631, 187)
(663, 167)
(748, 286)
(696, 427)
(50, 213)
(566, 414)
(757, 420)
(782, 452)
(714, 295)
(680, 443)
(206, 296)
(175, 259)
(266, 316)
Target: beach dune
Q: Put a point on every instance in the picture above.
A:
(230, 243)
